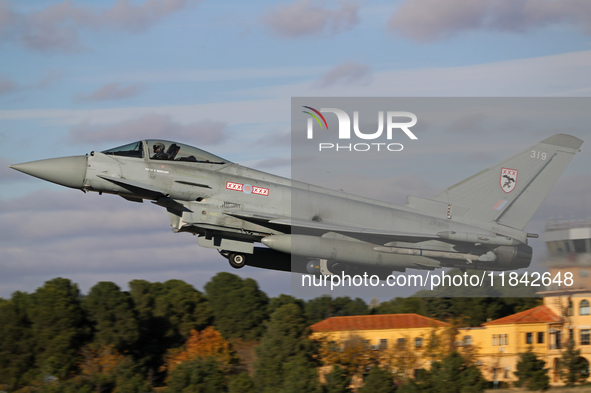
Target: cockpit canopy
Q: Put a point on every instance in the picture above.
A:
(157, 149)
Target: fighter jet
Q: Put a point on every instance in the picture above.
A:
(477, 223)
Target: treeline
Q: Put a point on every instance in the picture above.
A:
(109, 340)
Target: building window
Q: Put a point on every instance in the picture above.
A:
(540, 337)
(366, 344)
(580, 246)
(584, 307)
(334, 346)
(418, 342)
(585, 337)
(569, 309)
(559, 246)
(467, 341)
(384, 343)
(571, 335)
(529, 338)
(401, 343)
(497, 339)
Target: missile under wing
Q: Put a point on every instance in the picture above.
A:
(477, 223)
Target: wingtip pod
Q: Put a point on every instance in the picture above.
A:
(564, 140)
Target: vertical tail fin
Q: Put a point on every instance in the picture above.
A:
(511, 191)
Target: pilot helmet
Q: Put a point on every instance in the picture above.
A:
(158, 147)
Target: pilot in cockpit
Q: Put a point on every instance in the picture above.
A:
(159, 153)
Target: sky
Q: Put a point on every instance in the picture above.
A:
(78, 76)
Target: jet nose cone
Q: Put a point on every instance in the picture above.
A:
(65, 171)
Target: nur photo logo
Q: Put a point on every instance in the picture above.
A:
(392, 123)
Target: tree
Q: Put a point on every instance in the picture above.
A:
(421, 383)
(184, 307)
(403, 358)
(352, 354)
(58, 326)
(531, 373)
(337, 381)
(441, 341)
(112, 315)
(204, 344)
(239, 307)
(570, 367)
(166, 312)
(286, 339)
(281, 300)
(17, 360)
(241, 383)
(378, 380)
(450, 375)
(173, 308)
(301, 375)
(402, 305)
(104, 369)
(323, 307)
(345, 306)
(200, 375)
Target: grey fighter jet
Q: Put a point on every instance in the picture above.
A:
(477, 223)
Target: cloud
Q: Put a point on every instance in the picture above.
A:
(233, 112)
(56, 27)
(565, 74)
(66, 232)
(131, 17)
(151, 126)
(305, 17)
(73, 222)
(426, 20)
(7, 85)
(90, 238)
(112, 91)
(49, 79)
(346, 74)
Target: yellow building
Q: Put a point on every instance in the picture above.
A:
(500, 342)
(564, 316)
(398, 341)
(574, 310)
(494, 346)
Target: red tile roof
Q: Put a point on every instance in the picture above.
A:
(374, 322)
(533, 315)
